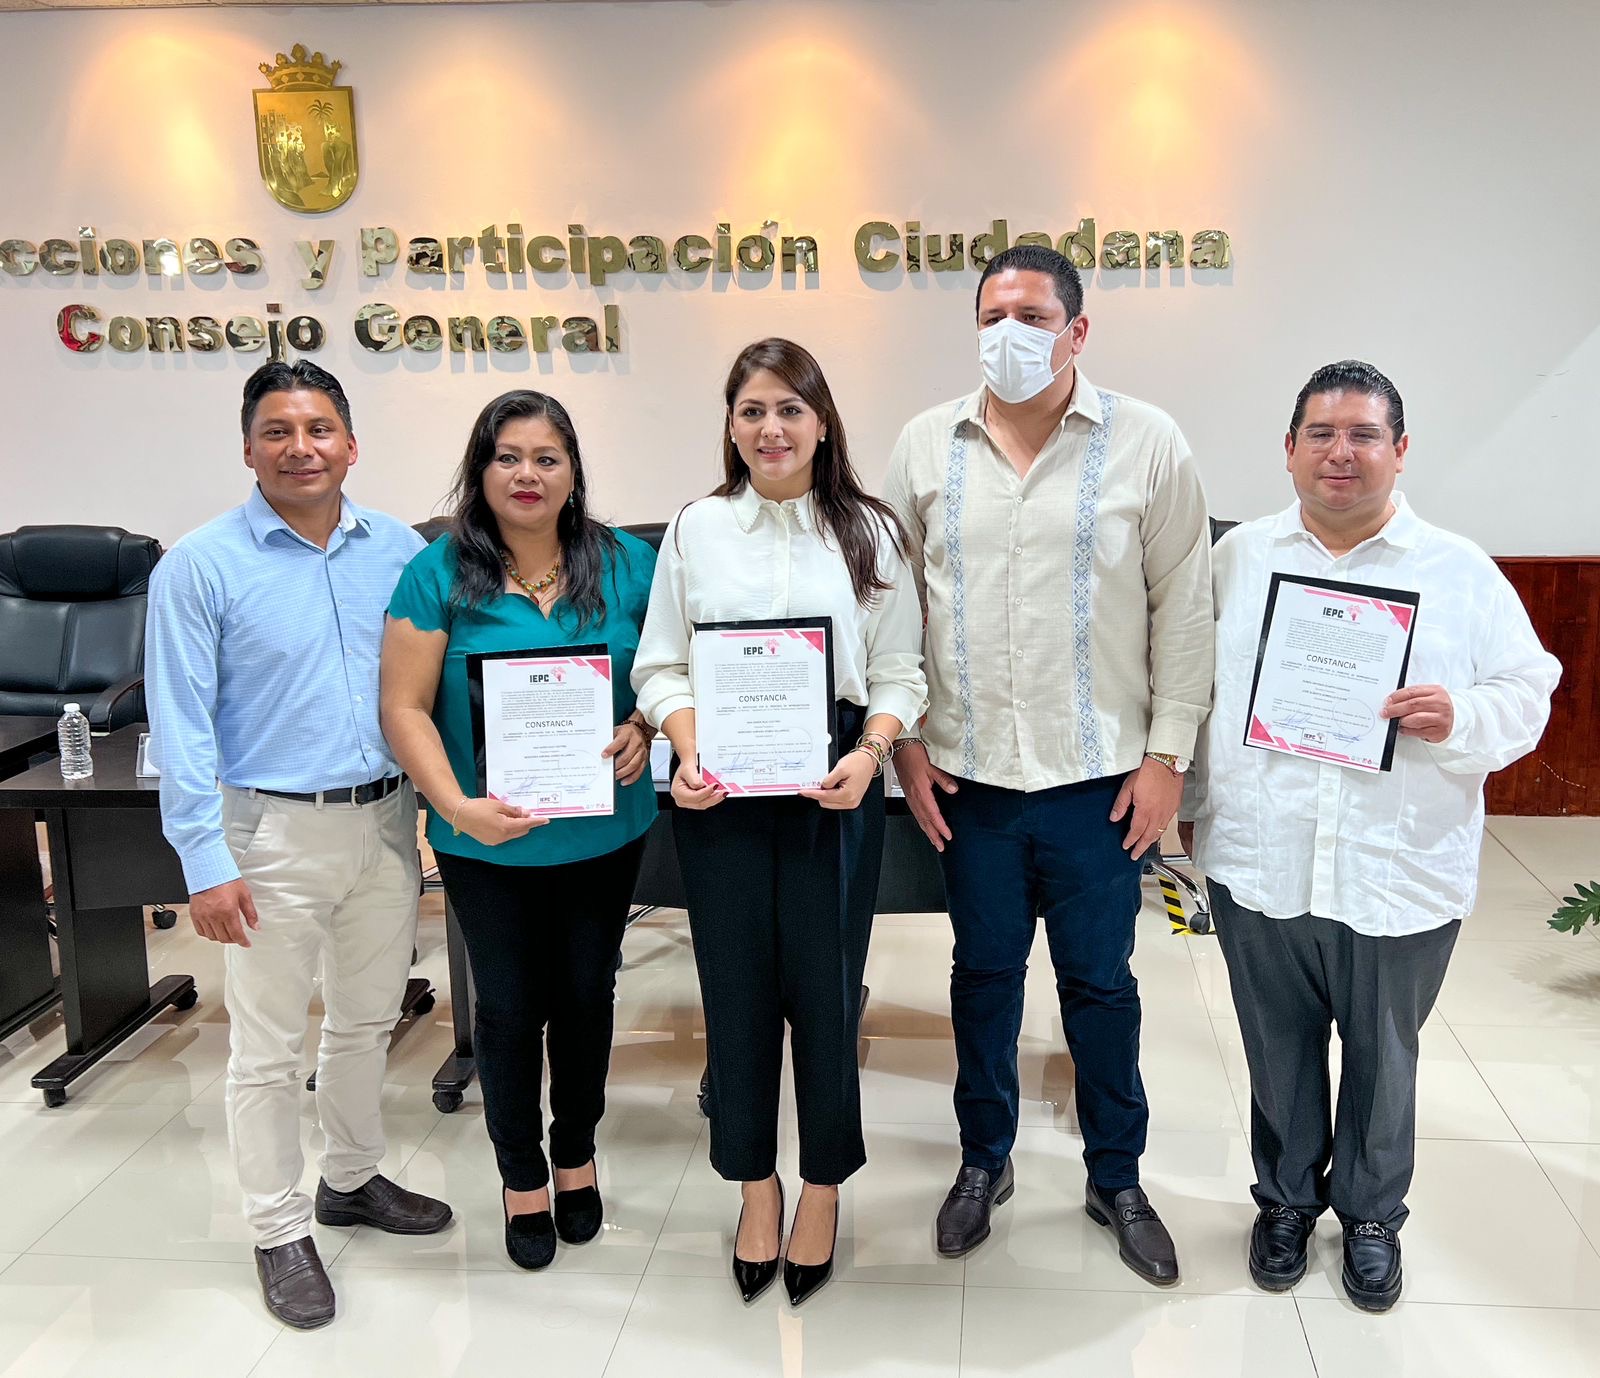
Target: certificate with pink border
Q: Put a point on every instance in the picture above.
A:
(1330, 654)
(765, 721)
(539, 723)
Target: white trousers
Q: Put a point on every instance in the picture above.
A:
(335, 888)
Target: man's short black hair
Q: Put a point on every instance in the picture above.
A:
(1035, 258)
(1351, 375)
(300, 376)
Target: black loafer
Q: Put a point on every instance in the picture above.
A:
(1278, 1243)
(383, 1205)
(1371, 1274)
(295, 1285)
(1142, 1240)
(530, 1239)
(963, 1221)
(579, 1214)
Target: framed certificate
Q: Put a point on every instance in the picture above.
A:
(765, 721)
(1330, 654)
(540, 720)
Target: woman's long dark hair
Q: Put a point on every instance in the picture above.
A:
(480, 574)
(845, 511)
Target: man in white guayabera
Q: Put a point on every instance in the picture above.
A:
(1059, 540)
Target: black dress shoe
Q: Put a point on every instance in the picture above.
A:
(1142, 1240)
(963, 1221)
(579, 1214)
(1278, 1242)
(295, 1285)
(1371, 1265)
(530, 1239)
(800, 1280)
(383, 1205)
(752, 1279)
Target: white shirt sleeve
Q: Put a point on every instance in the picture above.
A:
(1177, 564)
(895, 682)
(661, 667)
(1502, 715)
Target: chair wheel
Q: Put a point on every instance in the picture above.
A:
(55, 1099)
(187, 1000)
(447, 1102)
(703, 1099)
(163, 918)
(1200, 923)
(423, 1005)
(311, 1082)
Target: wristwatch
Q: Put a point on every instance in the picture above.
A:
(1178, 765)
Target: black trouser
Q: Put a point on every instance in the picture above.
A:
(1293, 980)
(543, 943)
(781, 894)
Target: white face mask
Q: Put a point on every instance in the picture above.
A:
(1016, 358)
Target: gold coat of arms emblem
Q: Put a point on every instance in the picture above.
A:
(306, 133)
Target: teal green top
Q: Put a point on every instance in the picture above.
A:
(511, 622)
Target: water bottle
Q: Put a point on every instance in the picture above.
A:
(72, 735)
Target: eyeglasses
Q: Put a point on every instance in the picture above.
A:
(1360, 437)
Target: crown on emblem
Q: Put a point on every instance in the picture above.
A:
(300, 71)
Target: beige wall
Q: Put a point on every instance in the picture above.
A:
(1414, 184)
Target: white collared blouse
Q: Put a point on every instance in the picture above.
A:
(747, 557)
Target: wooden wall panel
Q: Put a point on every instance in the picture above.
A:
(1562, 776)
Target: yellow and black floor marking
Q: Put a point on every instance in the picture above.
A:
(1174, 902)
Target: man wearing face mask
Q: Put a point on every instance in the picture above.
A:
(1059, 539)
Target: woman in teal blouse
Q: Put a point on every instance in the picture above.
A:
(542, 904)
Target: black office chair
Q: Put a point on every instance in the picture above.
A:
(72, 607)
(432, 528)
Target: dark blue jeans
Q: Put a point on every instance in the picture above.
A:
(1055, 853)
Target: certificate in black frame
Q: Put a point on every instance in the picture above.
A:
(475, 659)
(796, 624)
(1404, 597)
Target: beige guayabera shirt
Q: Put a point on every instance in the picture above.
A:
(1069, 612)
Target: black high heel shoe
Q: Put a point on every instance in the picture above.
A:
(530, 1239)
(752, 1279)
(800, 1280)
(579, 1213)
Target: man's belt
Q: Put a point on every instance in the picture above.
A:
(352, 794)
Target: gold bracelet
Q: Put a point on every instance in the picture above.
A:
(888, 745)
(878, 754)
(877, 760)
(455, 831)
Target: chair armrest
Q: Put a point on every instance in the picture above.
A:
(99, 712)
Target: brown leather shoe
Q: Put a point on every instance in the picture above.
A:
(294, 1284)
(383, 1205)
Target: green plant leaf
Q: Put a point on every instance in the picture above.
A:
(1578, 910)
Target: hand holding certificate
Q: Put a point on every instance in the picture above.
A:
(764, 704)
(1330, 656)
(542, 723)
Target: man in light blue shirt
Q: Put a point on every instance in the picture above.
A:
(296, 829)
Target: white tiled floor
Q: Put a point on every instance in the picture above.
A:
(122, 1251)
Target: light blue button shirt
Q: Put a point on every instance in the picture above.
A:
(261, 666)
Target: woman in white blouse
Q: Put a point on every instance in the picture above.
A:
(781, 890)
